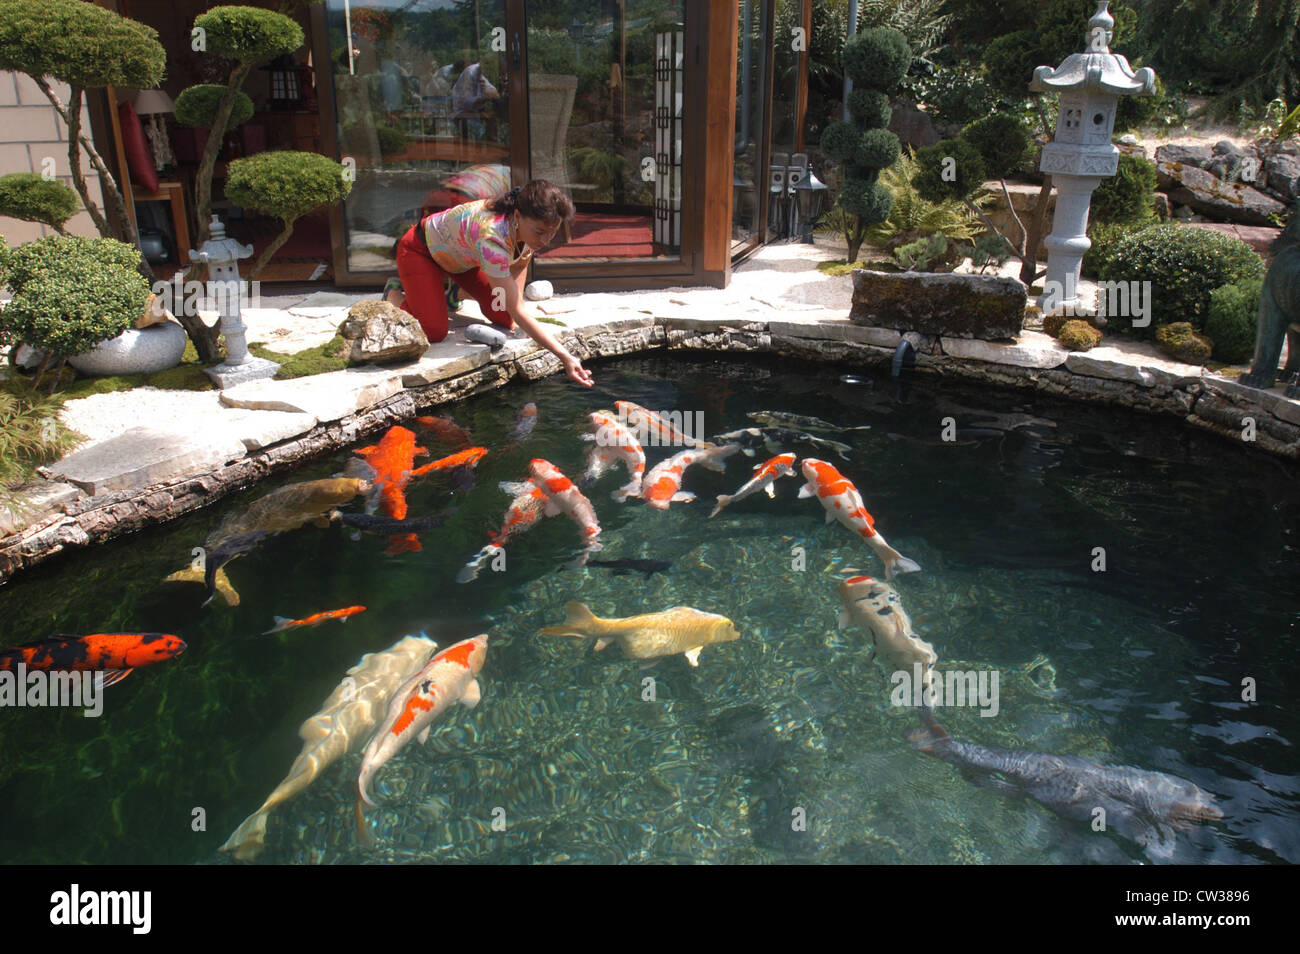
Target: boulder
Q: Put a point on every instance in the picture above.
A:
(950, 305)
(1282, 175)
(912, 126)
(1128, 145)
(1226, 147)
(1225, 201)
(539, 290)
(376, 332)
(1187, 155)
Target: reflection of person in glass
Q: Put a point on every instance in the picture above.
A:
(470, 96)
(484, 247)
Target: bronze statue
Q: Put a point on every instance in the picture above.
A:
(1279, 313)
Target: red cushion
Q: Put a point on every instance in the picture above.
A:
(139, 159)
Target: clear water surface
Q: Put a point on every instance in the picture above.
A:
(1141, 664)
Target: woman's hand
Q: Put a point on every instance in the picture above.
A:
(573, 367)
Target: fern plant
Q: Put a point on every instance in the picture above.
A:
(913, 217)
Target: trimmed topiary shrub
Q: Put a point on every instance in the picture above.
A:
(32, 198)
(1078, 335)
(1184, 264)
(840, 140)
(197, 106)
(867, 200)
(1128, 196)
(1180, 341)
(70, 293)
(1233, 320)
(879, 149)
(1002, 140)
(877, 59)
(967, 170)
(870, 108)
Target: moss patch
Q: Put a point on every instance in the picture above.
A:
(318, 360)
(186, 376)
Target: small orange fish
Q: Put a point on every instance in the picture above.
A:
(282, 623)
(445, 429)
(466, 458)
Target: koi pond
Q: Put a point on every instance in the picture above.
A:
(1117, 590)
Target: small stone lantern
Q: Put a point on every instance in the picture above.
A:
(222, 255)
(1081, 155)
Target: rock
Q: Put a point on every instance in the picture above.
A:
(1187, 155)
(1225, 147)
(1227, 201)
(1129, 146)
(1163, 207)
(327, 397)
(376, 332)
(148, 351)
(539, 290)
(1282, 175)
(1032, 349)
(143, 456)
(912, 126)
(26, 357)
(958, 306)
(1258, 237)
(155, 313)
(1181, 212)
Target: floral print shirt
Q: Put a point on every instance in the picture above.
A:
(472, 236)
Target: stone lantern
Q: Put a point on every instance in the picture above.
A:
(1081, 155)
(222, 255)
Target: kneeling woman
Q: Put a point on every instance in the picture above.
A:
(484, 247)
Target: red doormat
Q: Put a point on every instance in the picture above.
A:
(607, 236)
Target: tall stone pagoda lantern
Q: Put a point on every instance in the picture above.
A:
(222, 256)
(1090, 84)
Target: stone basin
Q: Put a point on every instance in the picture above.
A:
(135, 351)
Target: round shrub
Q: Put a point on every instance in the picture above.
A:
(967, 170)
(1009, 61)
(197, 106)
(28, 196)
(1180, 341)
(1233, 320)
(870, 108)
(1003, 142)
(877, 58)
(954, 96)
(1078, 335)
(868, 200)
(878, 149)
(1128, 196)
(285, 185)
(70, 293)
(1184, 264)
(841, 140)
(248, 34)
(1105, 237)
(391, 139)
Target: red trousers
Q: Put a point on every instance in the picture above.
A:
(424, 283)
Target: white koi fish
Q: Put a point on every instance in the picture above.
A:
(563, 496)
(876, 608)
(448, 677)
(648, 422)
(663, 485)
(764, 477)
(614, 443)
(843, 503)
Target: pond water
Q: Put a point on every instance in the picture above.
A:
(780, 746)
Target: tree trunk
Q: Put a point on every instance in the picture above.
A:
(217, 136)
(1034, 233)
(271, 250)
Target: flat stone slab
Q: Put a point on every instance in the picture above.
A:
(835, 329)
(1274, 400)
(446, 359)
(1210, 195)
(261, 429)
(143, 456)
(1137, 363)
(990, 307)
(327, 397)
(38, 499)
(1032, 349)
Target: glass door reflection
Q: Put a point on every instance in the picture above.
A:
(605, 107)
(421, 114)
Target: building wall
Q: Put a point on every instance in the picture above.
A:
(31, 130)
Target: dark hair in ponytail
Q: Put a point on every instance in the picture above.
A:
(537, 200)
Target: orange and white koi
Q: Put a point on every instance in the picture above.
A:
(448, 677)
(282, 623)
(843, 503)
(765, 475)
(614, 443)
(526, 508)
(663, 485)
(563, 496)
(648, 423)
